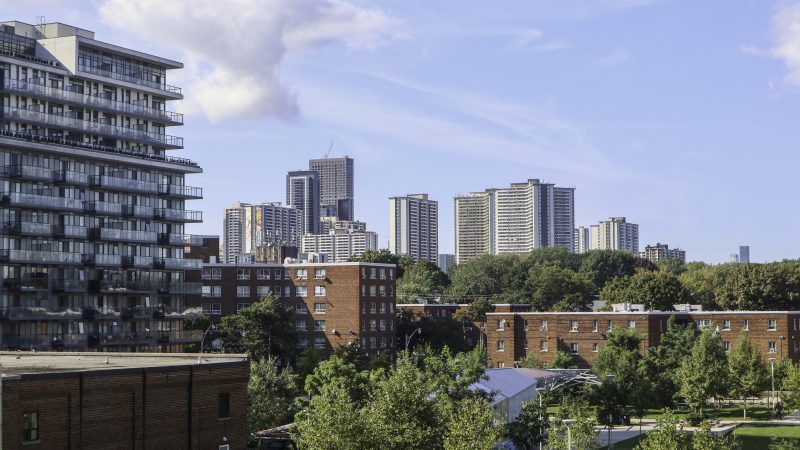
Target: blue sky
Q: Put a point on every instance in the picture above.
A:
(680, 115)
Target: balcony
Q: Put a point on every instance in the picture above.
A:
(123, 184)
(115, 235)
(68, 285)
(68, 231)
(73, 96)
(69, 177)
(46, 342)
(41, 201)
(103, 208)
(43, 313)
(180, 239)
(180, 287)
(26, 284)
(175, 190)
(39, 257)
(121, 151)
(25, 172)
(178, 215)
(177, 264)
(25, 228)
(129, 78)
(143, 212)
(125, 287)
(102, 128)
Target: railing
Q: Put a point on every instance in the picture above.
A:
(70, 231)
(68, 285)
(69, 177)
(44, 341)
(144, 212)
(23, 284)
(26, 228)
(180, 239)
(123, 183)
(26, 172)
(180, 287)
(112, 234)
(36, 256)
(178, 215)
(42, 313)
(121, 287)
(177, 263)
(180, 190)
(96, 207)
(130, 79)
(87, 126)
(90, 146)
(93, 100)
(42, 201)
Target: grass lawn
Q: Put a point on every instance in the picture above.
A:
(755, 437)
(754, 412)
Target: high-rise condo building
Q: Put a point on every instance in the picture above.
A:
(582, 240)
(303, 193)
(331, 223)
(93, 207)
(248, 227)
(414, 227)
(517, 219)
(340, 245)
(446, 261)
(336, 185)
(615, 234)
(661, 252)
(744, 254)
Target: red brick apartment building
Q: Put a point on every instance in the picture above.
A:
(123, 400)
(511, 336)
(335, 304)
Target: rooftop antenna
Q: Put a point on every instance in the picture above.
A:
(40, 25)
(329, 150)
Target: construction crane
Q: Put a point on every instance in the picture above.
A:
(325, 156)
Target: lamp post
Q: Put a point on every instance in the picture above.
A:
(539, 392)
(409, 336)
(203, 341)
(772, 376)
(569, 422)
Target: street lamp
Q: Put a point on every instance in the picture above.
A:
(409, 336)
(203, 341)
(539, 392)
(569, 422)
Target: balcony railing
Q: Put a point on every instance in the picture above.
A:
(123, 184)
(96, 207)
(31, 137)
(68, 285)
(44, 342)
(180, 239)
(69, 177)
(41, 201)
(180, 287)
(176, 190)
(144, 212)
(69, 231)
(26, 284)
(122, 287)
(178, 215)
(87, 126)
(43, 313)
(129, 79)
(99, 101)
(26, 228)
(177, 264)
(112, 234)
(39, 257)
(26, 172)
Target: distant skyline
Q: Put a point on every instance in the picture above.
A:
(680, 115)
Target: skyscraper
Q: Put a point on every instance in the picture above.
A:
(582, 240)
(247, 227)
(93, 208)
(303, 193)
(517, 219)
(340, 245)
(661, 252)
(337, 186)
(744, 254)
(615, 234)
(414, 227)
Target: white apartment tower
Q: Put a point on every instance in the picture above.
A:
(303, 193)
(336, 186)
(93, 206)
(247, 227)
(615, 234)
(661, 252)
(582, 240)
(340, 245)
(517, 219)
(414, 227)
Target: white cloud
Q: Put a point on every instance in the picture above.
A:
(786, 32)
(234, 49)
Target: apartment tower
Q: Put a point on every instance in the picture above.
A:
(414, 227)
(248, 227)
(303, 193)
(93, 207)
(615, 234)
(336, 186)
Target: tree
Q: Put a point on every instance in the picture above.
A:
(791, 388)
(667, 435)
(748, 371)
(618, 366)
(308, 360)
(579, 435)
(332, 421)
(421, 278)
(335, 373)
(472, 426)
(270, 395)
(660, 364)
(528, 429)
(439, 332)
(672, 266)
(265, 328)
(384, 256)
(755, 287)
(551, 288)
(658, 290)
(531, 361)
(561, 360)
(602, 266)
(704, 439)
(704, 373)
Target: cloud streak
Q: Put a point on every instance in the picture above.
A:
(786, 33)
(235, 50)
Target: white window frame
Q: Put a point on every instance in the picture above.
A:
(320, 291)
(242, 291)
(320, 308)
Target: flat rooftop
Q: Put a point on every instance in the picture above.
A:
(23, 363)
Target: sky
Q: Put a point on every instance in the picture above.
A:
(680, 115)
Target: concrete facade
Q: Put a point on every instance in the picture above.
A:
(414, 227)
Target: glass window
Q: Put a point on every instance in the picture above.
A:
(726, 345)
(319, 273)
(319, 291)
(542, 325)
(594, 347)
(382, 290)
(30, 426)
(772, 325)
(573, 348)
(243, 291)
(224, 405)
(373, 325)
(372, 273)
(319, 308)
(525, 324)
(501, 346)
(206, 274)
(372, 342)
(746, 325)
(772, 347)
(216, 273)
(726, 325)
(609, 325)
(383, 274)
(206, 292)
(301, 274)
(382, 325)
(319, 325)
(542, 346)
(302, 291)
(216, 308)
(302, 343)
(372, 291)
(382, 308)
(216, 291)
(301, 308)
(501, 325)
(594, 325)
(525, 344)
(263, 291)
(573, 325)
(263, 274)
(277, 274)
(242, 274)
(241, 306)
(372, 309)
(320, 342)
(206, 307)
(300, 325)
(632, 324)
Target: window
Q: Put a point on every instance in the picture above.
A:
(372, 273)
(772, 347)
(243, 291)
(383, 341)
(263, 291)
(363, 325)
(319, 291)
(594, 347)
(726, 325)
(206, 307)
(542, 346)
(501, 346)
(277, 274)
(373, 325)
(30, 426)
(372, 291)
(382, 308)
(286, 275)
(363, 290)
(206, 274)
(772, 325)
(594, 326)
(320, 342)
(319, 308)
(525, 344)
(241, 306)
(525, 325)
(206, 292)
(301, 308)
(382, 291)
(300, 325)
(573, 348)
(301, 274)
(242, 274)
(216, 308)
(501, 325)
(302, 291)
(263, 274)
(726, 345)
(224, 405)
(302, 343)
(632, 324)
(287, 291)
(391, 308)
(372, 342)
(573, 325)
(216, 273)
(319, 274)
(382, 325)
(542, 325)
(609, 325)
(383, 274)
(746, 325)
(703, 324)
(372, 308)
(363, 273)
(391, 274)
(319, 325)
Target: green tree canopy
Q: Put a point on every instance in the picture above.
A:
(421, 278)
(265, 328)
(657, 290)
(660, 364)
(748, 371)
(602, 266)
(270, 395)
(704, 373)
(529, 428)
(551, 288)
